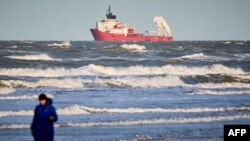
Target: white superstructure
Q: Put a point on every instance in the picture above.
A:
(111, 25)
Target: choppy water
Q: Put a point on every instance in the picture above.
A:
(117, 91)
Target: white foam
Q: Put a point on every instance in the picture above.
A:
(23, 97)
(160, 121)
(57, 83)
(240, 43)
(133, 47)
(227, 42)
(65, 44)
(14, 126)
(7, 90)
(81, 110)
(27, 42)
(192, 56)
(219, 92)
(140, 122)
(19, 97)
(76, 109)
(50, 72)
(168, 69)
(17, 113)
(13, 47)
(223, 85)
(142, 82)
(129, 81)
(44, 57)
(132, 70)
(202, 57)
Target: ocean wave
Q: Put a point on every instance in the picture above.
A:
(201, 57)
(139, 122)
(220, 92)
(76, 109)
(242, 56)
(113, 71)
(122, 82)
(128, 81)
(19, 97)
(23, 97)
(157, 121)
(133, 47)
(192, 56)
(227, 42)
(168, 69)
(43, 57)
(81, 110)
(65, 44)
(5, 91)
(142, 82)
(56, 83)
(103, 58)
(13, 47)
(222, 85)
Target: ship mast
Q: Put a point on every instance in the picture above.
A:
(110, 14)
(109, 9)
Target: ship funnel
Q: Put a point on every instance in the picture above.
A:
(162, 28)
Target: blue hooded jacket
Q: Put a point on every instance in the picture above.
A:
(43, 122)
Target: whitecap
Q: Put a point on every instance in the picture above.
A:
(133, 47)
(82, 110)
(6, 91)
(64, 44)
(23, 97)
(222, 85)
(121, 71)
(192, 56)
(56, 83)
(142, 82)
(220, 92)
(159, 121)
(180, 120)
(43, 57)
(227, 42)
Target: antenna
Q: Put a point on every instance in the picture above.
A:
(109, 9)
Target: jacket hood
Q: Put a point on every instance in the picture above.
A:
(49, 101)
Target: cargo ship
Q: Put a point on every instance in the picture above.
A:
(111, 29)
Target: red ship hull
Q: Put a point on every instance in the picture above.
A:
(105, 36)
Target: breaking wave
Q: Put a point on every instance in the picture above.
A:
(219, 92)
(5, 91)
(124, 82)
(79, 110)
(67, 83)
(142, 82)
(222, 85)
(133, 47)
(76, 109)
(139, 122)
(132, 70)
(157, 121)
(192, 56)
(201, 57)
(65, 44)
(43, 57)
(57, 83)
(29, 97)
(19, 97)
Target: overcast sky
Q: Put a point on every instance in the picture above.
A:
(72, 19)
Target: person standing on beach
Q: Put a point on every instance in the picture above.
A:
(45, 115)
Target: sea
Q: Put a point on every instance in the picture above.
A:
(119, 91)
